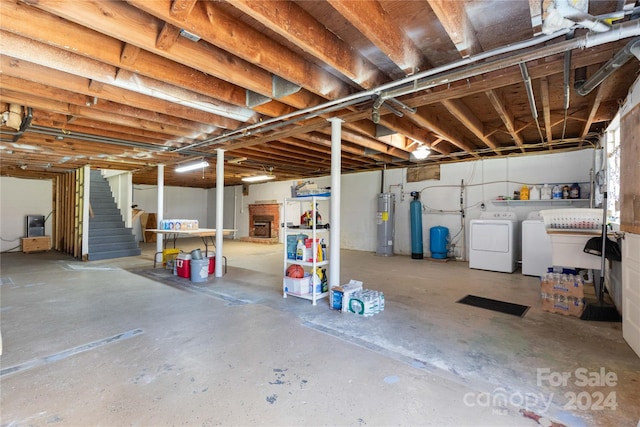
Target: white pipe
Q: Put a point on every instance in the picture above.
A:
(334, 231)
(580, 17)
(86, 189)
(235, 213)
(240, 132)
(160, 209)
(219, 209)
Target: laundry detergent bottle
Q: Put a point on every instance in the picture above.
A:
(534, 193)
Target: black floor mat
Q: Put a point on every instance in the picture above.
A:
(495, 305)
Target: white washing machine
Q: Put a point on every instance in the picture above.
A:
(536, 246)
(494, 241)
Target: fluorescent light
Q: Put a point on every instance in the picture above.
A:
(257, 178)
(192, 166)
(421, 153)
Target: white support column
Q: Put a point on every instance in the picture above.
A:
(160, 210)
(219, 209)
(334, 217)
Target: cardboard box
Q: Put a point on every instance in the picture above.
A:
(297, 286)
(562, 304)
(562, 284)
(339, 295)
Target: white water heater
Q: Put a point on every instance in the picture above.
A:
(385, 223)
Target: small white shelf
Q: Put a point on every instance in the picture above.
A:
(314, 231)
(309, 297)
(541, 202)
(298, 230)
(307, 263)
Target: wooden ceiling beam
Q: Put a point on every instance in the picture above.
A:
(453, 17)
(124, 22)
(167, 37)
(593, 109)
(505, 115)
(469, 120)
(112, 51)
(61, 121)
(444, 130)
(180, 9)
(508, 76)
(370, 18)
(298, 26)
(218, 28)
(324, 150)
(80, 106)
(348, 147)
(69, 68)
(404, 126)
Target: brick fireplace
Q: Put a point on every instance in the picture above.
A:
(264, 223)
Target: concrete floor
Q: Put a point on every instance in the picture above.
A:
(117, 343)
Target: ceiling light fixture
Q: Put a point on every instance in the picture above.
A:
(192, 166)
(421, 153)
(258, 178)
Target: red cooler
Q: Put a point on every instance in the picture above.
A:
(212, 263)
(183, 265)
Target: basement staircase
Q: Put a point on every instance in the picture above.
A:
(108, 237)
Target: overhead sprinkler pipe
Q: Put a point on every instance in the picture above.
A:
(619, 59)
(532, 101)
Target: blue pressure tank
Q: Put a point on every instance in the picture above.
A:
(438, 237)
(416, 227)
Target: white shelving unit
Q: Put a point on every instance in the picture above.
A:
(548, 202)
(315, 232)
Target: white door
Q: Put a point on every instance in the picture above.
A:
(631, 290)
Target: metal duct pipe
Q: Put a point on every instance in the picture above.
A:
(375, 92)
(445, 74)
(619, 59)
(635, 49)
(26, 123)
(54, 132)
(532, 100)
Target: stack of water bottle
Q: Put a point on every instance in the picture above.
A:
(366, 302)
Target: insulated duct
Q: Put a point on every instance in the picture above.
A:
(567, 13)
(619, 59)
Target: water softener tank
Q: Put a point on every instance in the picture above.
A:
(438, 237)
(416, 226)
(384, 222)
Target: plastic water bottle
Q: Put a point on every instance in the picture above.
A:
(300, 249)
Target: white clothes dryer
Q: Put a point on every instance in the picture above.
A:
(494, 241)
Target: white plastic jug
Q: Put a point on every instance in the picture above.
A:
(545, 192)
(534, 193)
